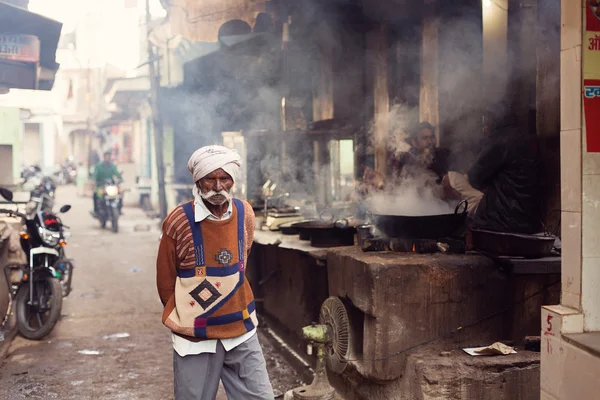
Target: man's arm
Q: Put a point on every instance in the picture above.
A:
(166, 268)
(488, 163)
(115, 172)
(96, 173)
(249, 225)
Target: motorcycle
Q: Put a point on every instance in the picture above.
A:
(40, 187)
(38, 288)
(109, 201)
(66, 174)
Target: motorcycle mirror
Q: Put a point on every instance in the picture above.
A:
(7, 194)
(65, 208)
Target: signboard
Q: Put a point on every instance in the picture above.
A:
(24, 48)
(591, 75)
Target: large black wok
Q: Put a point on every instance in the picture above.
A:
(421, 227)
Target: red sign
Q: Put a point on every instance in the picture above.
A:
(591, 75)
(591, 105)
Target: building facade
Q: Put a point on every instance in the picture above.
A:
(571, 330)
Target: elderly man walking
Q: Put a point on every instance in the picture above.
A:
(208, 303)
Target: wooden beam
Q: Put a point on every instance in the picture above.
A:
(429, 99)
(377, 44)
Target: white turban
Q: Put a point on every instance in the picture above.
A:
(210, 158)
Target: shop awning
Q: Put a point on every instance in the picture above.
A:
(18, 21)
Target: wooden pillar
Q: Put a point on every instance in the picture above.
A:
(429, 99)
(321, 167)
(548, 68)
(522, 39)
(377, 43)
(460, 85)
(323, 80)
(495, 46)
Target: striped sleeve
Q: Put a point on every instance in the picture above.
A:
(249, 224)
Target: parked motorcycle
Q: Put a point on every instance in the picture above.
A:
(66, 174)
(110, 197)
(38, 288)
(39, 186)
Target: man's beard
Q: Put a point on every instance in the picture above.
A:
(426, 156)
(216, 198)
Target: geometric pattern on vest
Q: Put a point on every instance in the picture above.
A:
(205, 294)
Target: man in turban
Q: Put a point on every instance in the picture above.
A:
(208, 303)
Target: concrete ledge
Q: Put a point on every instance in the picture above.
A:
(588, 341)
(398, 300)
(433, 375)
(560, 319)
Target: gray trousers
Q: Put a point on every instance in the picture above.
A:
(243, 371)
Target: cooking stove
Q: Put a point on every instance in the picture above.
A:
(416, 245)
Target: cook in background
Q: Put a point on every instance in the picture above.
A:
(502, 185)
(423, 159)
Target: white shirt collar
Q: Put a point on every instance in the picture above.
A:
(201, 212)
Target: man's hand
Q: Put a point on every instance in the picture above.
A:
(448, 192)
(372, 179)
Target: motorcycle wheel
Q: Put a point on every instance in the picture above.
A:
(102, 218)
(35, 323)
(114, 219)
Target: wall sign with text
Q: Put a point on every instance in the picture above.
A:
(24, 48)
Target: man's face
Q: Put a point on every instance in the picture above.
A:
(107, 158)
(425, 140)
(216, 187)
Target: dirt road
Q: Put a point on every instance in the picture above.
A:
(109, 343)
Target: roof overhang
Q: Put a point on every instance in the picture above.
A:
(18, 21)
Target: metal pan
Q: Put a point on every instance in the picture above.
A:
(307, 228)
(422, 227)
(512, 244)
(326, 234)
(288, 228)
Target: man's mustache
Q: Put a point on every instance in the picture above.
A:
(212, 197)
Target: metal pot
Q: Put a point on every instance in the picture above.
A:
(364, 233)
(288, 229)
(422, 227)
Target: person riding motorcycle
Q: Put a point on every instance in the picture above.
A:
(103, 171)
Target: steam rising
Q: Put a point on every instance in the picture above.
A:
(412, 198)
(248, 96)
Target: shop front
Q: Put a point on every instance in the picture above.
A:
(28, 44)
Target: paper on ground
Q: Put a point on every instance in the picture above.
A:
(495, 349)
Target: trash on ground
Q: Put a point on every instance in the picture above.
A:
(135, 269)
(89, 352)
(119, 335)
(496, 349)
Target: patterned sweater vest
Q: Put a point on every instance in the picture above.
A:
(213, 299)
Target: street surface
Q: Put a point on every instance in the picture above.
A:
(109, 343)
